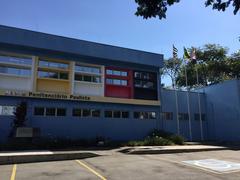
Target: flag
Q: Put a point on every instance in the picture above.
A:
(186, 54)
(193, 55)
(175, 51)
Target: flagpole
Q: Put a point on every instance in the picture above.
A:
(177, 111)
(199, 107)
(175, 89)
(188, 103)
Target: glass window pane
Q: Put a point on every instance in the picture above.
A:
(125, 114)
(39, 111)
(137, 75)
(78, 77)
(15, 71)
(50, 64)
(61, 112)
(95, 113)
(123, 73)
(138, 83)
(63, 75)
(86, 113)
(152, 115)
(53, 75)
(124, 82)
(116, 114)
(109, 81)
(116, 82)
(43, 74)
(77, 112)
(87, 78)
(109, 72)
(136, 115)
(96, 79)
(50, 111)
(15, 60)
(108, 114)
(8, 110)
(116, 73)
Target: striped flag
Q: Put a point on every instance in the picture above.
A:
(175, 52)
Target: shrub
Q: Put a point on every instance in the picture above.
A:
(177, 139)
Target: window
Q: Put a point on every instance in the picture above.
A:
(197, 117)
(125, 114)
(50, 64)
(116, 73)
(145, 115)
(116, 114)
(7, 110)
(95, 113)
(119, 82)
(167, 115)
(61, 112)
(15, 60)
(15, 71)
(39, 111)
(77, 112)
(53, 75)
(50, 111)
(86, 113)
(88, 69)
(144, 76)
(88, 78)
(108, 114)
(152, 115)
(183, 116)
(144, 84)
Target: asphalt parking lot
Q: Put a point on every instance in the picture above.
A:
(122, 166)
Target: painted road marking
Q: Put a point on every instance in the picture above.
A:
(215, 165)
(14, 172)
(90, 169)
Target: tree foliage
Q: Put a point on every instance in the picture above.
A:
(213, 66)
(171, 68)
(158, 8)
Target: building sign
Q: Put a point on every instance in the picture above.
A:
(45, 95)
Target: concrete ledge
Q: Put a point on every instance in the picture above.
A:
(171, 149)
(35, 157)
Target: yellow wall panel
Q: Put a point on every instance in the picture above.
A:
(49, 85)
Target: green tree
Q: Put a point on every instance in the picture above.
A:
(234, 65)
(158, 8)
(212, 65)
(171, 68)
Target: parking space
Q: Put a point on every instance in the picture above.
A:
(122, 166)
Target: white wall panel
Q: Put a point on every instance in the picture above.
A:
(85, 88)
(15, 83)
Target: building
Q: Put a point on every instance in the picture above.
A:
(77, 89)
(83, 90)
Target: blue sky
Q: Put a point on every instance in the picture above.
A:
(113, 22)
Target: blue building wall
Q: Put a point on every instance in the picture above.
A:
(169, 105)
(223, 108)
(81, 128)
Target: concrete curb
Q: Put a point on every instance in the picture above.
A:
(170, 151)
(14, 159)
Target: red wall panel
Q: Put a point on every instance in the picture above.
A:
(119, 91)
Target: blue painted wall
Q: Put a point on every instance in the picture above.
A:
(169, 105)
(75, 127)
(223, 106)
